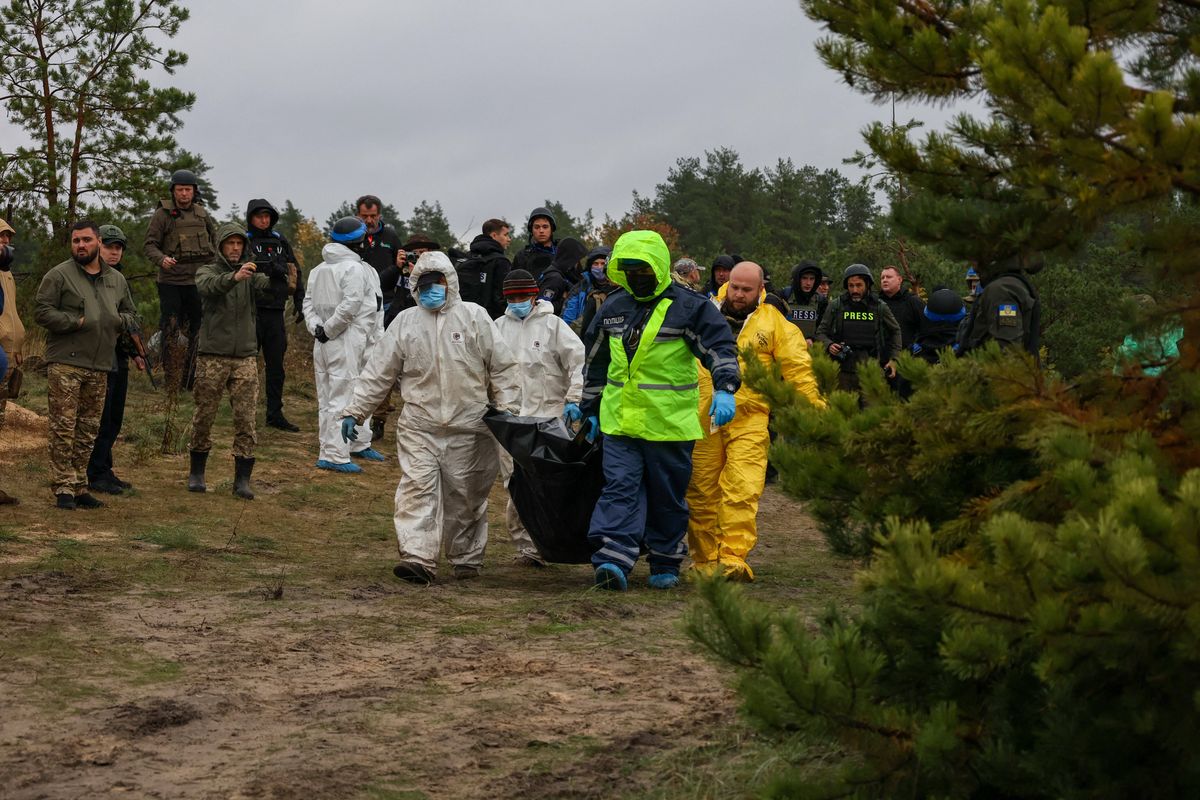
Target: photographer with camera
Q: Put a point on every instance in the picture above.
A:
(858, 327)
(12, 332)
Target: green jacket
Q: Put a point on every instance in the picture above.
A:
(65, 296)
(228, 326)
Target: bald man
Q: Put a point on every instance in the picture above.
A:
(730, 463)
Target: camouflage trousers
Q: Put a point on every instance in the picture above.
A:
(216, 375)
(76, 398)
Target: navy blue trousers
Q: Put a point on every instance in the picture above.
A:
(643, 503)
(100, 465)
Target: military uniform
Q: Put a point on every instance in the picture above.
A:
(187, 236)
(1007, 311)
(867, 326)
(84, 315)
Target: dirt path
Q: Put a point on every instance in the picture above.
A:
(181, 647)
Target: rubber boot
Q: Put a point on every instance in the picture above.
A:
(196, 475)
(242, 467)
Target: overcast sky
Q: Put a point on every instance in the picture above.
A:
(492, 106)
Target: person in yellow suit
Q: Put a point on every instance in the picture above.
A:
(730, 463)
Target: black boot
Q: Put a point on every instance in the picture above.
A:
(196, 475)
(242, 467)
(377, 429)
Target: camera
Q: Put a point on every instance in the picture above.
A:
(7, 254)
(844, 354)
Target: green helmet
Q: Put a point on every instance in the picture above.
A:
(111, 233)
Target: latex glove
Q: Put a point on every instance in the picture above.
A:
(722, 408)
(916, 348)
(320, 335)
(348, 432)
(593, 428)
(571, 413)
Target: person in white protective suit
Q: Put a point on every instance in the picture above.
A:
(370, 321)
(448, 360)
(333, 311)
(550, 359)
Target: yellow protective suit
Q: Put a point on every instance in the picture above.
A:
(729, 465)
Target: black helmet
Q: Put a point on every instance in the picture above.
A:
(348, 230)
(859, 270)
(184, 177)
(944, 303)
(540, 211)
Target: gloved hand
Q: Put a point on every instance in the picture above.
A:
(571, 413)
(593, 428)
(348, 426)
(916, 348)
(320, 335)
(722, 408)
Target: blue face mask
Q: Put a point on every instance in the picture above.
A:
(521, 309)
(598, 273)
(432, 297)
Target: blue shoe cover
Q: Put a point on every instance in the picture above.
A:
(664, 580)
(323, 464)
(370, 454)
(610, 576)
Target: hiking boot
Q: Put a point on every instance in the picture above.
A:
(196, 472)
(282, 424)
(664, 580)
(65, 501)
(377, 429)
(242, 467)
(126, 485)
(413, 573)
(610, 577)
(85, 500)
(465, 572)
(105, 485)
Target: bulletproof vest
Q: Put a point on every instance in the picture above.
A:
(805, 317)
(187, 240)
(860, 326)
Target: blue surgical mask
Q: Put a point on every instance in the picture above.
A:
(598, 273)
(432, 297)
(521, 309)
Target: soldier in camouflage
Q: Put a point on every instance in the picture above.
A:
(84, 305)
(227, 362)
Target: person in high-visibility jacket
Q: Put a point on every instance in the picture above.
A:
(641, 390)
(730, 463)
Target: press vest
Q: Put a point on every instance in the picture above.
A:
(655, 396)
(860, 329)
(805, 317)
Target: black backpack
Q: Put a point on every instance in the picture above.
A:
(477, 279)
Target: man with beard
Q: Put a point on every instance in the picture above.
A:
(179, 240)
(381, 248)
(84, 305)
(806, 305)
(858, 328)
(730, 463)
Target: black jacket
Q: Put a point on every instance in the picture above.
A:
(535, 259)
(379, 250)
(271, 252)
(908, 310)
(555, 282)
(481, 275)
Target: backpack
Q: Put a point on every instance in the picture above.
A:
(476, 278)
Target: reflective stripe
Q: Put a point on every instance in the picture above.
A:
(668, 387)
(618, 384)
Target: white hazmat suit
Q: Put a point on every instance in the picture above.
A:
(334, 300)
(370, 321)
(447, 363)
(550, 360)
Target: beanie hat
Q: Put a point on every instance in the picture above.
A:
(519, 282)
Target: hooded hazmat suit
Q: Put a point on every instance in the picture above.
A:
(730, 464)
(369, 321)
(642, 382)
(447, 362)
(550, 370)
(335, 300)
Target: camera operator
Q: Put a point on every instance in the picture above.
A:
(858, 327)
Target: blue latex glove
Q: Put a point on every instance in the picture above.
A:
(593, 426)
(916, 348)
(571, 413)
(348, 432)
(722, 408)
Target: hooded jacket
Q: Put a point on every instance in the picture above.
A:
(653, 393)
(273, 254)
(549, 358)
(228, 325)
(555, 283)
(481, 275)
(66, 294)
(447, 362)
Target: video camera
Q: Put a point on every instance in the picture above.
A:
(845, 354)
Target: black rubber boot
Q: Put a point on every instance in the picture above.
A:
(242, 467)
(196, 475)
(377, 429)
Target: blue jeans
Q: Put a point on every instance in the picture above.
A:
(643, 503)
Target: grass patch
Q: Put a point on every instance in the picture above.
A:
(9, 535)
(169, 537)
